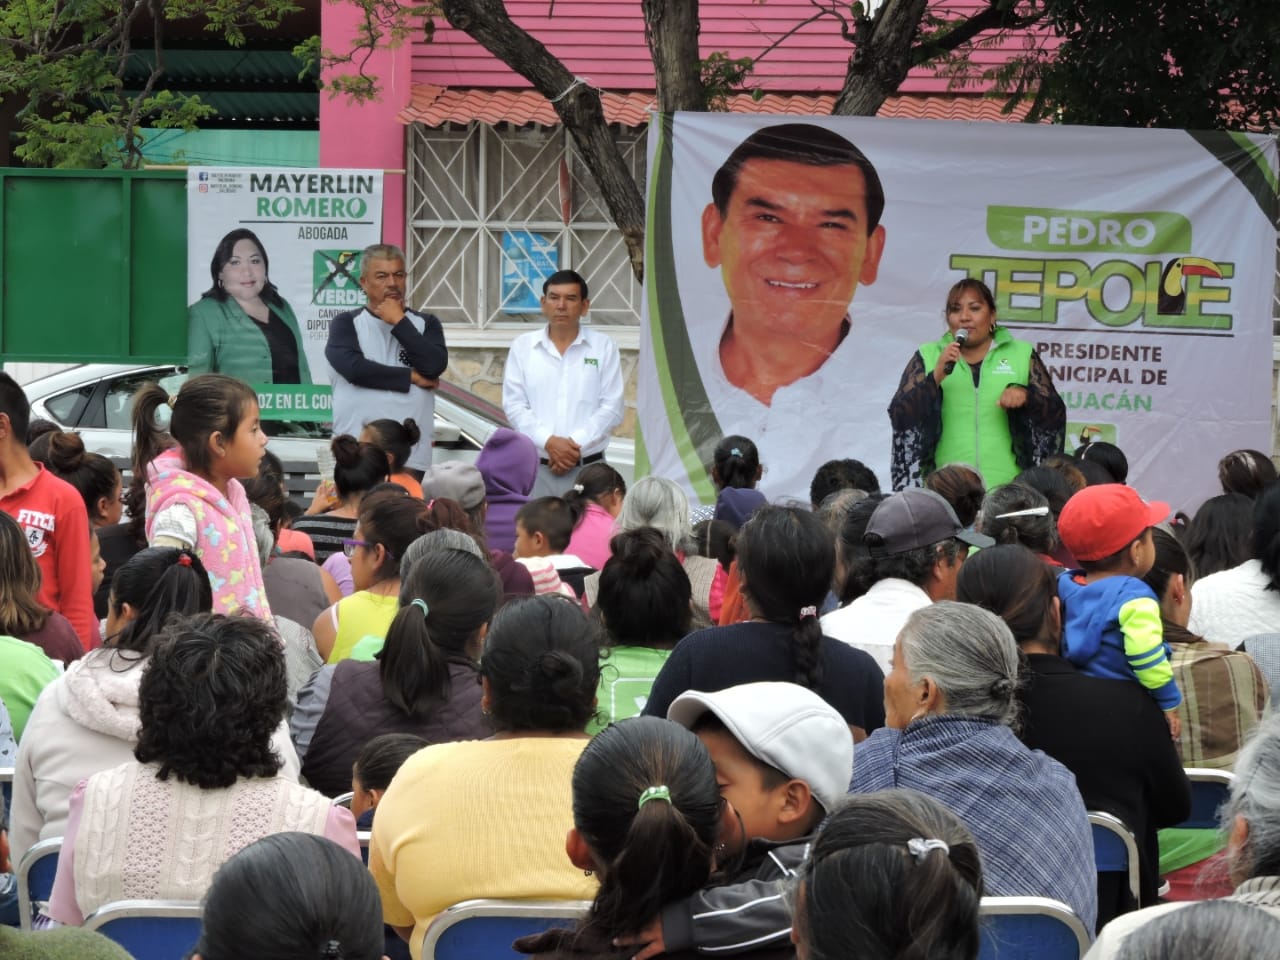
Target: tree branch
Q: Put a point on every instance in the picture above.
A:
(991, 17)
(799, 26)
(577, 104)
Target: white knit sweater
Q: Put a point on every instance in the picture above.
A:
(144, 838)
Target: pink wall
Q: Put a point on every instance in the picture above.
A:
(368, 135)
(605, 41)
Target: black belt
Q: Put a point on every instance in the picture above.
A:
(595, 457)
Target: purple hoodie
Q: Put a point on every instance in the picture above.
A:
(509, 465)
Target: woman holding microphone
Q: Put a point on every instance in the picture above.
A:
(977, 396)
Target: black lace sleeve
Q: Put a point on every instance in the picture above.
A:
(915, 414)
(1039, 427)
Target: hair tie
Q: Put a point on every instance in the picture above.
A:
(578, 488)
(421, 605)
(807, 612)
(1040, 511)
(331, 951)
(654, 793)
(735, 452)
(431, 503)
(919, 847)
(184, 559)
(172, 401)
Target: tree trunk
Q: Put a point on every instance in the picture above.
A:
(577, 105)
(881, 61)
(671, 30)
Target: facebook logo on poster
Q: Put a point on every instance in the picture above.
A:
(202, 175)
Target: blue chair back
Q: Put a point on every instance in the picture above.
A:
(485, 929)
(149, 929)
(1209, 791)
(1030, 928)
(36, 871)
(1115, 849)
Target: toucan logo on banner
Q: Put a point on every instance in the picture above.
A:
(1152, 278)
(335, 278)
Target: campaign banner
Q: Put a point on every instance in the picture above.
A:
(782, 305)
(272, 255)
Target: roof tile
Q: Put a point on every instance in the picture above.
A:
(434, 106)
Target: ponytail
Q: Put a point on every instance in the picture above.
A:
(737, 463)
(786, 557)
(447, 597)
(149, 440)
(806, 649)
(645, 800)
(159, 583)
(593, 482)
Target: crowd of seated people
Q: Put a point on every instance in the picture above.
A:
(817, 732)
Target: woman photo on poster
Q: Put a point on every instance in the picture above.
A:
(975, 396)
(241, 326)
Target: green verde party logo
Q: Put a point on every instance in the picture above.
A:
(1151, 274)
(335, 278)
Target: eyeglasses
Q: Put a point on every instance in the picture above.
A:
(349, 546)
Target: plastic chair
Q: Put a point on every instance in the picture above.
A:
(1030, 928)
(149, 929)
(6, 788)
(1115, 849)
(485, 929)
(1209, 791)
(364, 836)
(36, 871)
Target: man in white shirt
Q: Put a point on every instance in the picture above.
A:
(562, 386)
(917, 545)
(387, 359)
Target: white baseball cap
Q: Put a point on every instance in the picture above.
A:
(785, 725)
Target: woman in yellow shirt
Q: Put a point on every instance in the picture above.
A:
(488, 818)
(390, 520)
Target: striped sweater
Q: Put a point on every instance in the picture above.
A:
(1022, 807)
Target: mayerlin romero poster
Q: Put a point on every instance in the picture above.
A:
(1140, 264)
(272, 255)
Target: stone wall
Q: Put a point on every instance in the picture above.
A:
(480, 371)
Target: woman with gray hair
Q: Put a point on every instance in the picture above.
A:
(1252, 820)
(949, 708)
(1016, 513)
(660, 503)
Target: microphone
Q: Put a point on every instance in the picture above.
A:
(961, 336)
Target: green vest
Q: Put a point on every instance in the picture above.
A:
(975, 430)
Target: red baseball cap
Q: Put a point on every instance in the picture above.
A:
(1104, 519)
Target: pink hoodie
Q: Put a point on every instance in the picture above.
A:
(224, 532)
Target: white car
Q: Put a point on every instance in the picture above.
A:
(96, 400)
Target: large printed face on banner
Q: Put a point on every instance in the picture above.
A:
(1137, 267)
(272, 255)
(793, 245)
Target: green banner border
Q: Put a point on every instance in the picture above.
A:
(694, 426)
